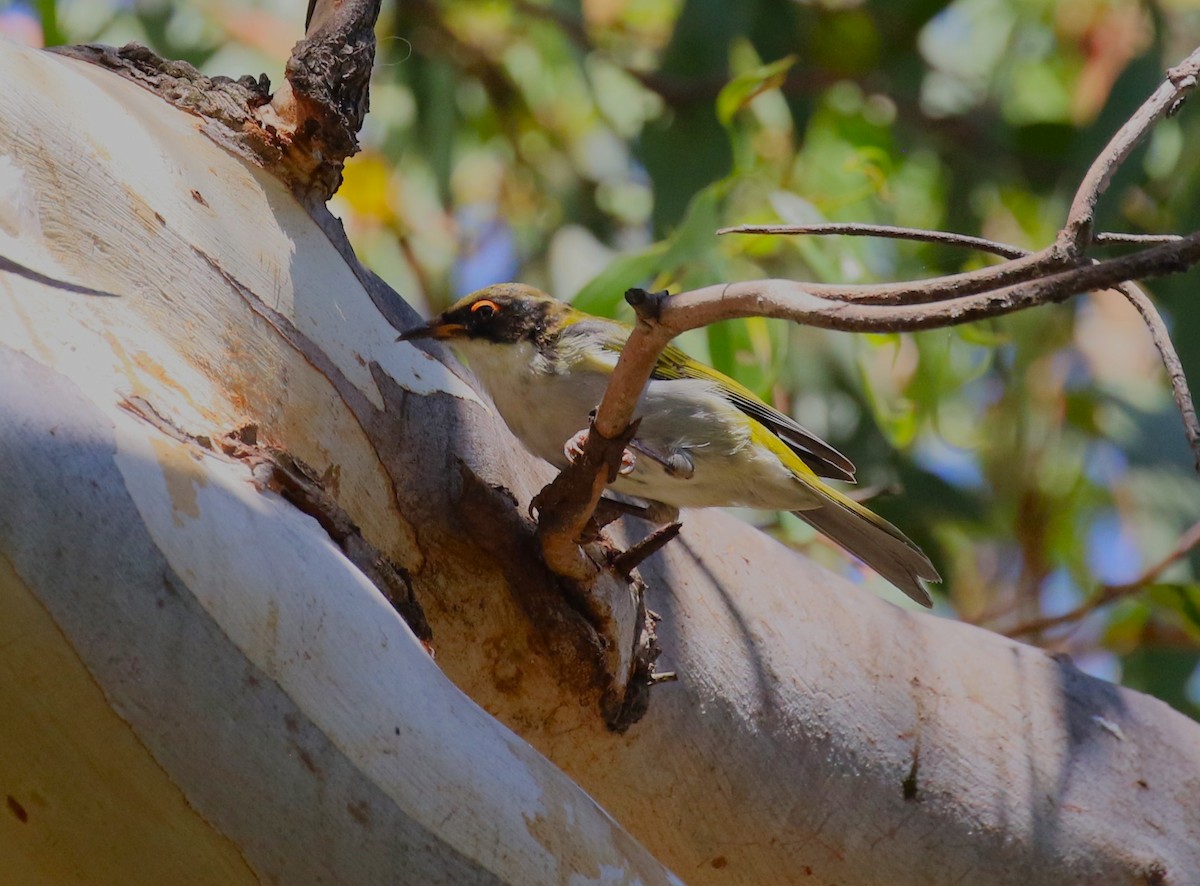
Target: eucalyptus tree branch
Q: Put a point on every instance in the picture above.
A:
(1134, 293)
(662, 318)
(324, 98)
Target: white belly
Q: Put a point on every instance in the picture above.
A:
(544, 410)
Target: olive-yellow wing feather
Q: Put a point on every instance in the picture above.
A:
(819, 456)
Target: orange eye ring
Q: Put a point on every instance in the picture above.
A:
(485, 308)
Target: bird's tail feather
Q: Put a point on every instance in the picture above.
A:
(875, 541)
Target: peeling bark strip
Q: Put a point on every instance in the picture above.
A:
(628, 561)
(217, 98)
(299, 484)
(623, 710)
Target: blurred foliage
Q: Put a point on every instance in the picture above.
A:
(589, 145)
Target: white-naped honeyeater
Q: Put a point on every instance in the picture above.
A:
(704, 440)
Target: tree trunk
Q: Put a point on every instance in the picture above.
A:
(179, 643)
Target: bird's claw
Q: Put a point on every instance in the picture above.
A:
(573, 450)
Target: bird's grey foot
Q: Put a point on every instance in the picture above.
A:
(573, 450)
(676, 463)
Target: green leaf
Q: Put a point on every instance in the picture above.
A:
(52, 35)
(722, 350)
(897, 420)
(693, 243)
(696, 236)
(743, 88)
(750, 351)
(882, 339)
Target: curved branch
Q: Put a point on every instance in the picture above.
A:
(1027, 267)
(1134, 293)
(785, 299)
(1073, 239)
(1170, 359)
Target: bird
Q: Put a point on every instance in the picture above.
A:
(704, 440)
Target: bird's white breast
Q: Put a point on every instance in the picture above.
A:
(544, 406)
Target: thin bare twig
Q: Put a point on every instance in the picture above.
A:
(927, 235)
(1076, 234)
(628, 560)
(892, 232)
(919, 292)
(1112, 237)
(1111, 593)
(1171, 363)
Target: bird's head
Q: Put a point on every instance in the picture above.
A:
(505, 313)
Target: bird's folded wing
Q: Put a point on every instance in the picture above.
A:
(824, 460)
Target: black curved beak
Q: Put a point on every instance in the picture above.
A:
(433, 329)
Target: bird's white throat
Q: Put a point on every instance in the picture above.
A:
(541, 406)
